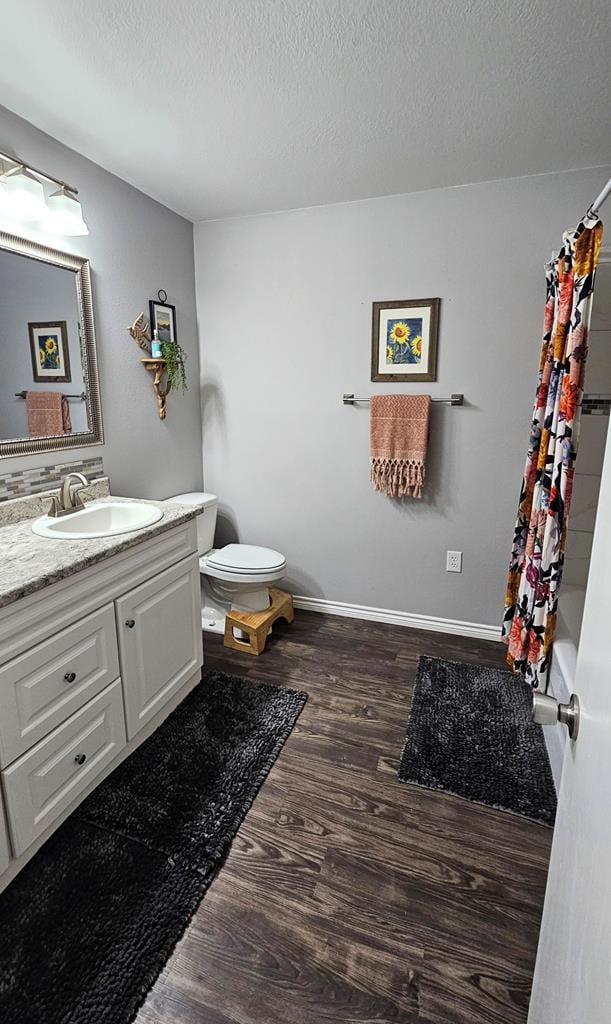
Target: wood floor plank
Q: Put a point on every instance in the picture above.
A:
(347, 896)
(473, 985)
(272, 860)
(311, 824)
(430, 816)
(465, 979)
(355, 885)
(296, 975)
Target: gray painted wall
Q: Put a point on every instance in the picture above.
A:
(135, 246)
(284, 309)
(31, 291)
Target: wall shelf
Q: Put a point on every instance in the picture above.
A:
(158, 367)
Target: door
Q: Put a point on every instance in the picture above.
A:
(160, 640)
(572, 982)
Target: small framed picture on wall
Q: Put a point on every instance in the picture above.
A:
(163, 320)
(49, 351)
(404, 340)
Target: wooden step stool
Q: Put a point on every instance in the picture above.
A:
(257, 625)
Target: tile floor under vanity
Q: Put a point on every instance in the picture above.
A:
(347, 896)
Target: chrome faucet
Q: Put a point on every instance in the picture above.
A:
(68, 499)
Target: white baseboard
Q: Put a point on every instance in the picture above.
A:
(477, 630)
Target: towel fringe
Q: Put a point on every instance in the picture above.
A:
(398, 477)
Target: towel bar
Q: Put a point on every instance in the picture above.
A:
(81, 397)
(452, 400)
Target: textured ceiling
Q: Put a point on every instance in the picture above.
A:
(242, 106)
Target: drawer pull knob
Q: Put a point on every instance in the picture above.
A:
(70, 677)
(80, 758)
(130, 623)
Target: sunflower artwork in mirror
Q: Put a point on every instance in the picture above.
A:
(49, 387)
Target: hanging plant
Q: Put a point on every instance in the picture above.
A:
(175, 357)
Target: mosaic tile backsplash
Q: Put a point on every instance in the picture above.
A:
(33, 481)
(596, 405)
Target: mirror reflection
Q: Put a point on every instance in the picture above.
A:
(42, 383)
(49, 387)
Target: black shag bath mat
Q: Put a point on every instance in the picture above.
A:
(90, 922)
(471, 733)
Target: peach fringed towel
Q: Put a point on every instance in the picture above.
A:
(399, 432)
(48, 414)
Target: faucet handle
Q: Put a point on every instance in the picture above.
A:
(75, 497)
(54, 507)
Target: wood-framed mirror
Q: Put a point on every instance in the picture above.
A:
(49, 383)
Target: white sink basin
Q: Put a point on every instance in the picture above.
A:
(106, 519)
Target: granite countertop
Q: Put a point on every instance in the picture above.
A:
(28, 562)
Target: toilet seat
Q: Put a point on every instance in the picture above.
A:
(246, 558)
(244, 563)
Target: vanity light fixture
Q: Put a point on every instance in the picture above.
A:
(25, 196)
(22, 197)
(65, 216)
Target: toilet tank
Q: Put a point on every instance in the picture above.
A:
(205, 521)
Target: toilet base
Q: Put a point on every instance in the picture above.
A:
(218, 599)
(251, 600)
(213, 619)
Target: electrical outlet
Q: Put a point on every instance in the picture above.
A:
(454, 561)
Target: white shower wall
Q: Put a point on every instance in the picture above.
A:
(592, 439)
(582, 517)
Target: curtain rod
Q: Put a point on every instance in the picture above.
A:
(600, 199)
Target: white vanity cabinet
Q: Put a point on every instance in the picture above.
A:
(159, 625)
(4, 850)
(89, 667)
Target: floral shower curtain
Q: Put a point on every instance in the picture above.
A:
(537, 556)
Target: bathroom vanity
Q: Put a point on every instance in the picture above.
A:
(99, 640)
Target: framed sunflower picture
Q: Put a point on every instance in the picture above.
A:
(404, 340)
(49, 351)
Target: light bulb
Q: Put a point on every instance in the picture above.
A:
(25, 197)
(64, 216)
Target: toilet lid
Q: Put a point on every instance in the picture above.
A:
(246, 558)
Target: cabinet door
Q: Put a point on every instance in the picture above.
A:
(160, 640)
(4, 854)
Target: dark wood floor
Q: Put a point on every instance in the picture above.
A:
(347, 896)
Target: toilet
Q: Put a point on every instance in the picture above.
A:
(236, 576)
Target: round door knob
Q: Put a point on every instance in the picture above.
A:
(130, 623)
(545, 708)
(80, 758)
(70, 677)
(548, 711)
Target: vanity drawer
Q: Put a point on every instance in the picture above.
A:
(43, 687)
(46, 780)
